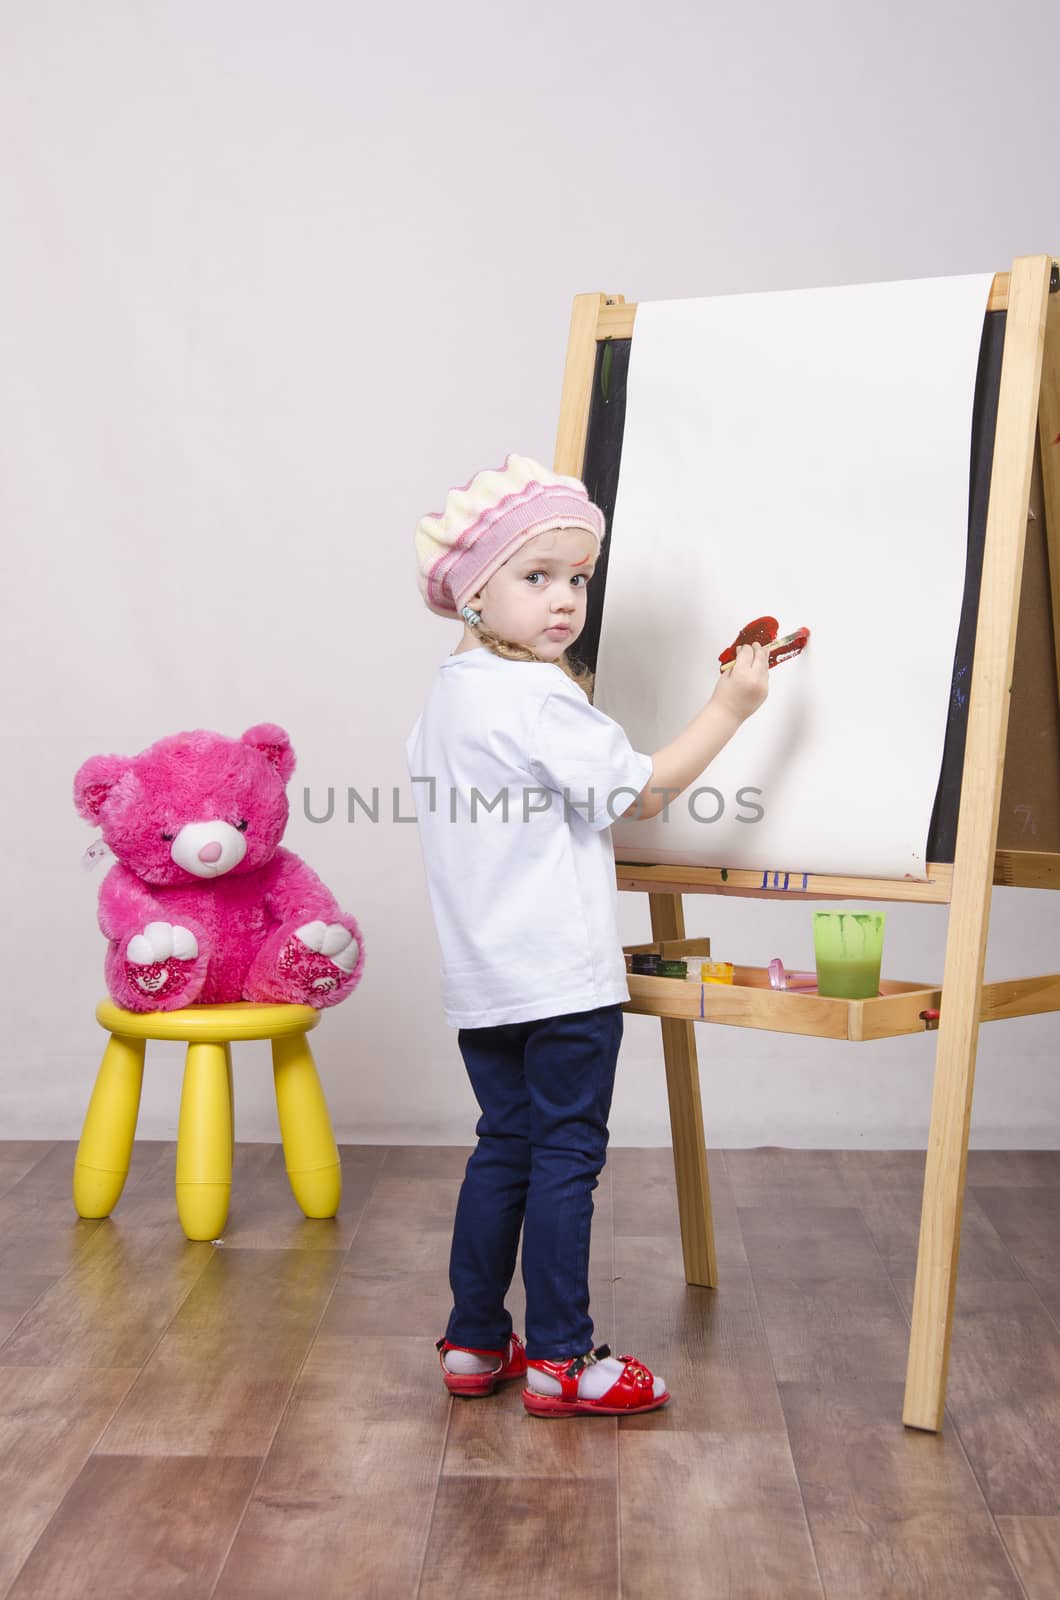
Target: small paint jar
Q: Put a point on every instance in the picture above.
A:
(644, 964)
(718, 972)
(695, 968)
(672, 969)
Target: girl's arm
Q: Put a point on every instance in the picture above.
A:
(736, 695)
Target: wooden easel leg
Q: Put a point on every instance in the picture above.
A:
(686, 1117)
(943, 1203)
(973, 867)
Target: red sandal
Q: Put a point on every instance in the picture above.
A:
(633, 1391)
(511, 1363)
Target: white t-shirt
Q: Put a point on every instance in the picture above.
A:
(525, 909)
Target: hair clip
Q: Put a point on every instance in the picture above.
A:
(471, 616)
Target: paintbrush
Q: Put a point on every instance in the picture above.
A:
(763, 630)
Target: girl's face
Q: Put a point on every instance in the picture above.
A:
(538, 597)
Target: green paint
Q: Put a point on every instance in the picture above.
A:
(847, 948)
(724, 874)
(606, 363)
(848, 980)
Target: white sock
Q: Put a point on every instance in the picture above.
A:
(593, 1381)
(465, 1361)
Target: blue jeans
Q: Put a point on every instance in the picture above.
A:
(544, 1089)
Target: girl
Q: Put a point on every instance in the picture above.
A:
(517, 779)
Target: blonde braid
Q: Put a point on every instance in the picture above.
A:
(522, 652)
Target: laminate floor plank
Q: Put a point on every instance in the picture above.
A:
(828, 1306)
(360, 1531)
(810, 1242)
(1017, 1169)
(1033, 1545)
(218, 1380)
(777, 1177)
(343, 1504)
(20, 1289)
(525, 1539)
(499, 1439)
(130, 1527)
(427, 1160)
(1003, 1393)
(892, 1511)
(709, 1344)
(1026, 1221)
(243, 1419)
(875, 1171)
(645, 1201)
(52, 1174)
(18, 1157)
(40, 1232)
(112, 1305)
(893, 1220)
(717, 1515)
(50, 1419)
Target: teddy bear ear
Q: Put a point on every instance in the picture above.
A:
(274, 744)
(94, 781)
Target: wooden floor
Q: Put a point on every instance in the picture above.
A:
(266, 1418)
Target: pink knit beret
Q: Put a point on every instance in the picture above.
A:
(485, 521)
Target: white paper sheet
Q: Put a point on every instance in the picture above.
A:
(803, 455)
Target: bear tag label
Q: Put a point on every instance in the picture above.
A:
(95, 854)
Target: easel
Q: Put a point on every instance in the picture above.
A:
(1028, 398)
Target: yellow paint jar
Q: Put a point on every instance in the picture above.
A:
(717, 972)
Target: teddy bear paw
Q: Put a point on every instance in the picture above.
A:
(153, 957)
(330, 939)
(319, 958)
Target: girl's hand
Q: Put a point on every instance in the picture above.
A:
(742, 689)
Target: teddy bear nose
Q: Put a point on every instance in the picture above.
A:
(210, 852)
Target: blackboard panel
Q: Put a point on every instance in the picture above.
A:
(1030, 794)
(603, 456)
(600, 473)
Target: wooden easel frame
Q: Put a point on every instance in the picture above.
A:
(1029, 401)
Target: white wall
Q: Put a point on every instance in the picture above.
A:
(274, 277)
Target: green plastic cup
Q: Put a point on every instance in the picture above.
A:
(848, 947)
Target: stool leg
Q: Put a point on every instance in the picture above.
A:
(204, 1143)
(102, 1163)
(231, 1098)
(309, 1148)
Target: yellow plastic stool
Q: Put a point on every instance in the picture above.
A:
(205, 1133)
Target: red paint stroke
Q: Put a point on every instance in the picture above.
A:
(763, 630)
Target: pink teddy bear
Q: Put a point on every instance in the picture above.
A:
(203, 904)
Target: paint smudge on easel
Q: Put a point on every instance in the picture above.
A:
(1027, 814)
(960, 697)
(787, 884)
